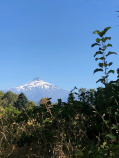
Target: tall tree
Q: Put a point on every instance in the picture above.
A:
(11, 97)
(21, 101)
(71, 97)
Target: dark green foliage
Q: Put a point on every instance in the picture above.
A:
(104, 65)
(102, 33)
(84, 128)
(118, 73)
(21, 102)
(71, 98)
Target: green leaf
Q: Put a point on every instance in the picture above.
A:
(110, 63)
(102, 58)
(105, 65)
(98, 40)
(104, 31)
(103, 49)
(95, 44)
(111, 71)
(109, 45)
(109, 53)
(100, 64)
(111, 136)
(114, 127)
(118, 70)
(103, 145)
(104, 77)
(97, 32)
(106, 38)
(98, 52)
(100, 80)
(96, 70)
(106, 122)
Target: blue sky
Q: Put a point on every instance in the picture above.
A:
(51, 39)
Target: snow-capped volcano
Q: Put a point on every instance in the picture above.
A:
(37, 89)
(37, 82)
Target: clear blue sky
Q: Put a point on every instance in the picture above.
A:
(51, 39)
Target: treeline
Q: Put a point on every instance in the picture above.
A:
(84, 128)
(81, 129)
(15, 101)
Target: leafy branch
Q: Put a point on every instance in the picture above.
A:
(103, 65)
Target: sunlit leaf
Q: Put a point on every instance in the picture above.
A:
(97, 32)
(111, 136)
(103, 145)
(114, 127)
(104, 31)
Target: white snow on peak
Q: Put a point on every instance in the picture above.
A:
(37, 82)
(37, 89)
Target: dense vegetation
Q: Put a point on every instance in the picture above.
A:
(83, 128)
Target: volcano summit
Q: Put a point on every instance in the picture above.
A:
(37, 89)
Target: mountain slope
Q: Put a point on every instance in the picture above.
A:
(37, 89)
